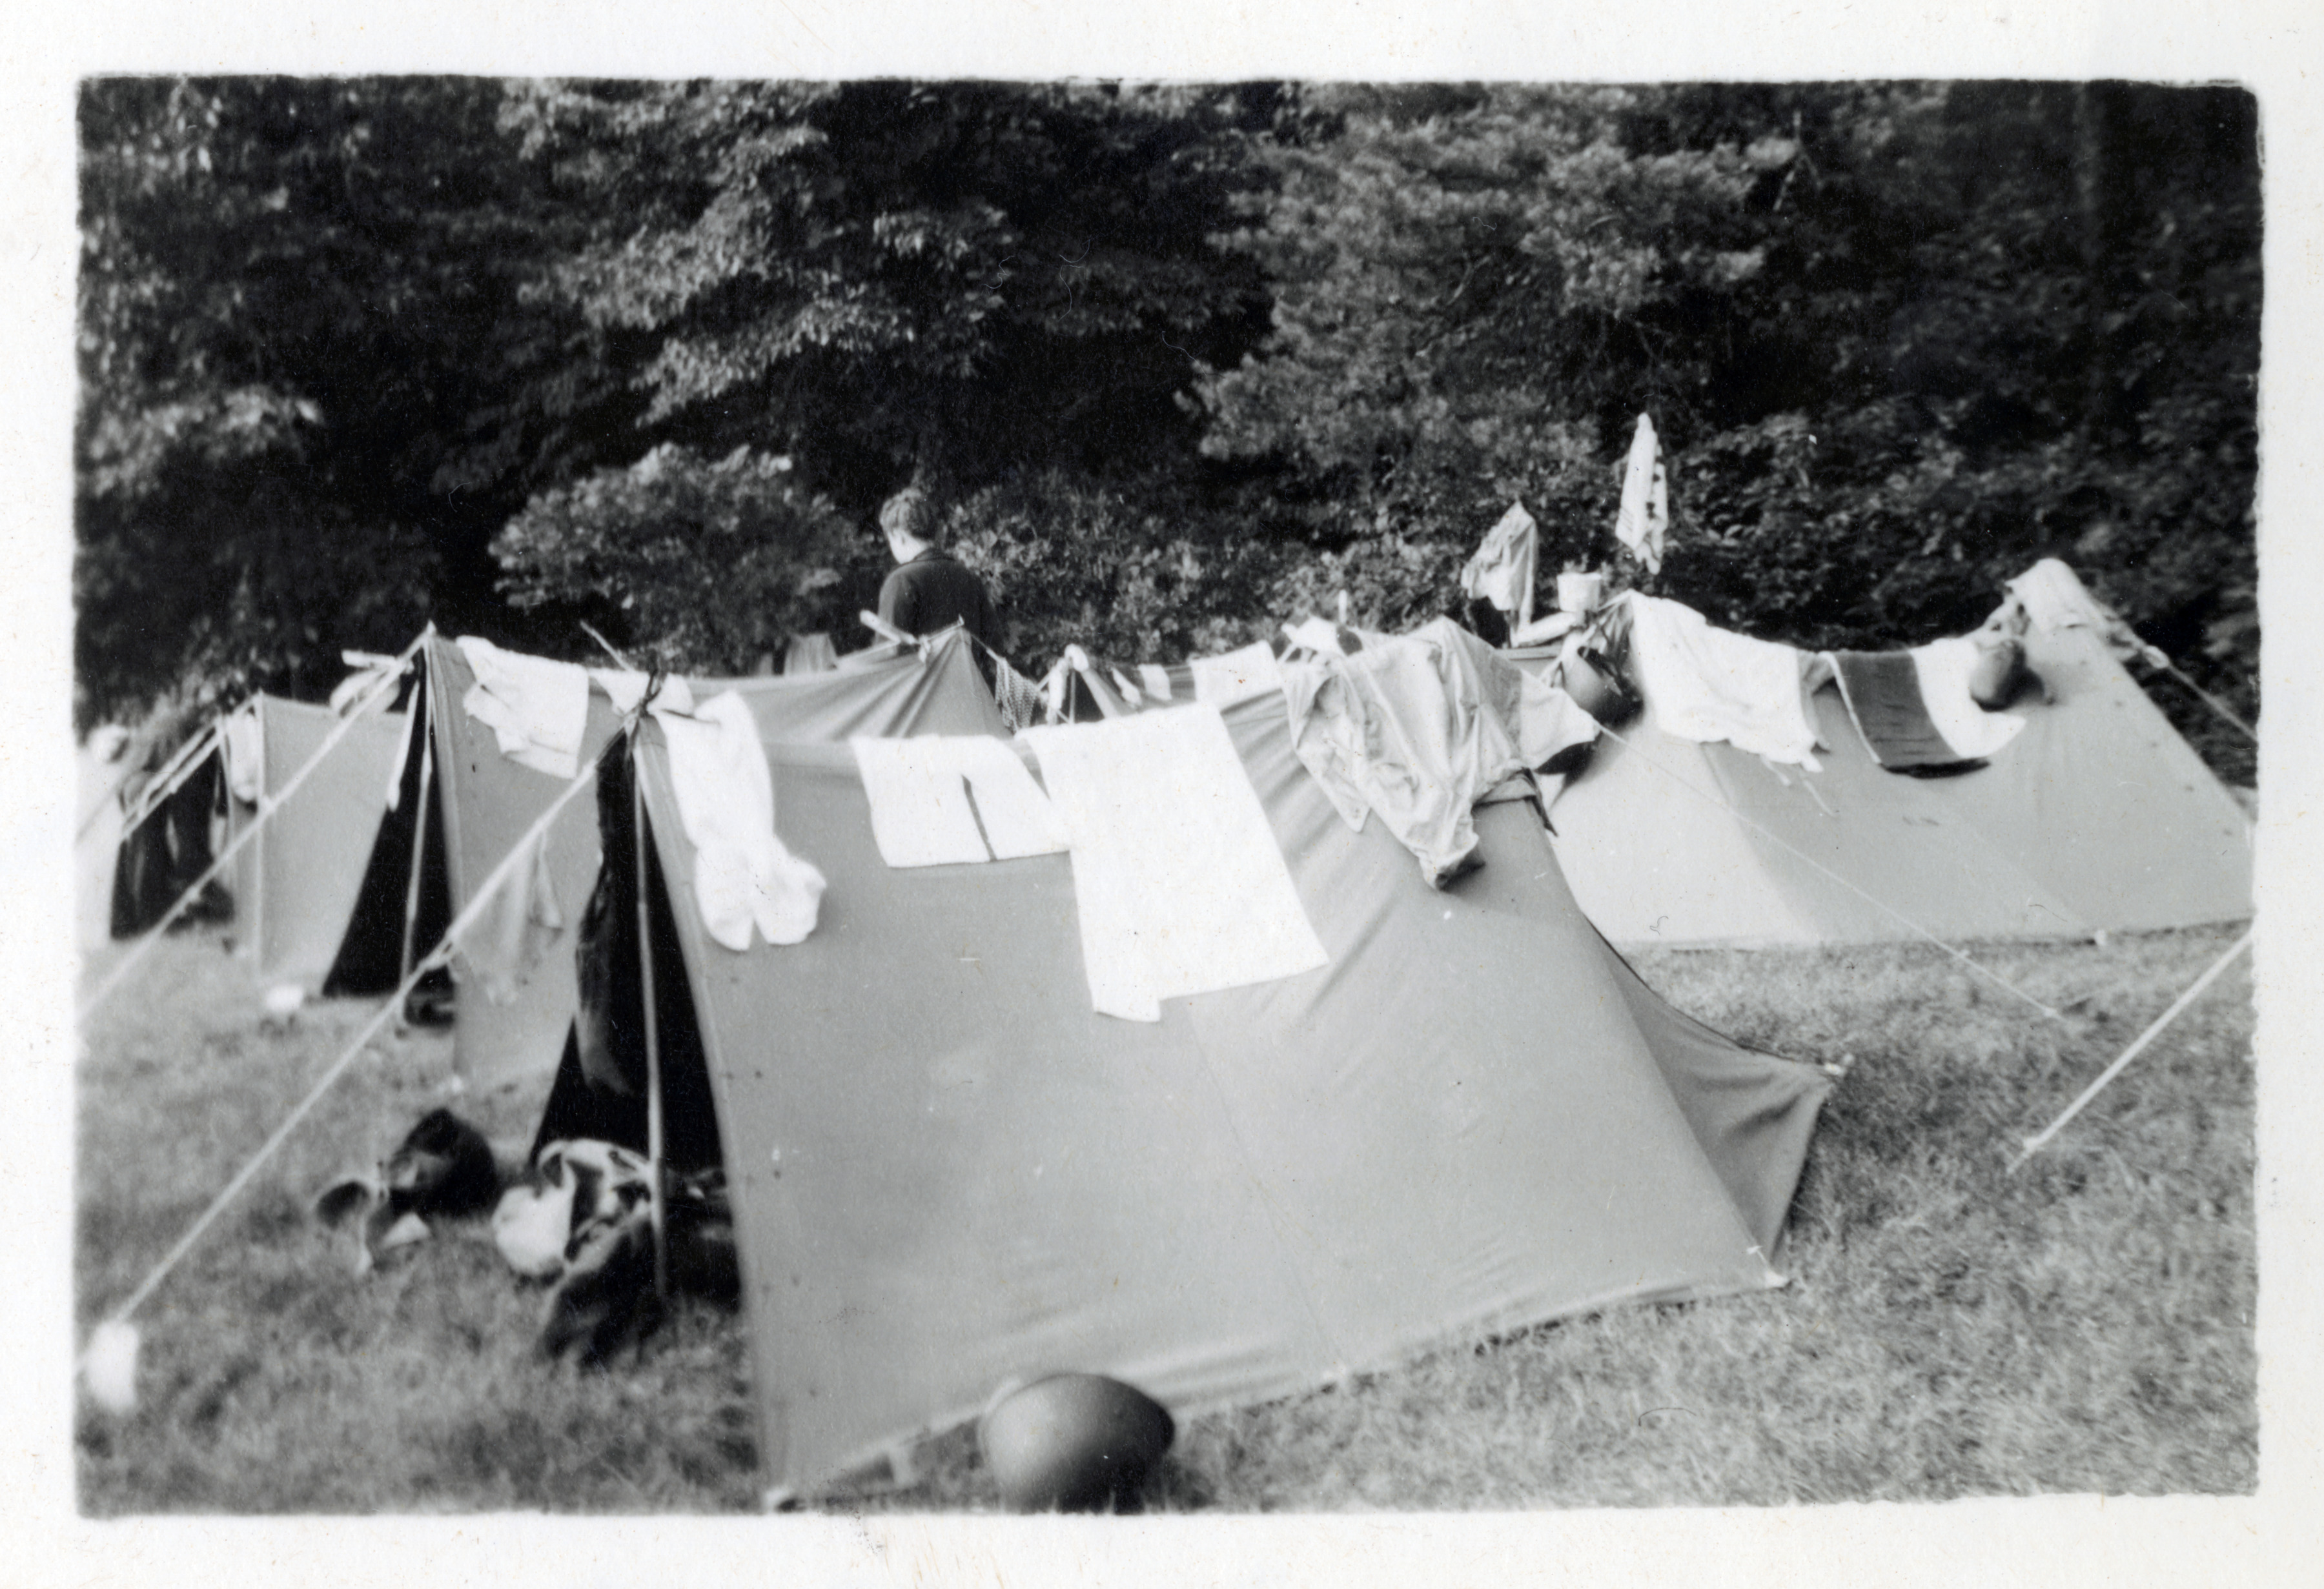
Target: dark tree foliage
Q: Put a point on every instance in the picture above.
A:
(889, 280)
(1900, 341)
(1182, 359)
(301, 301)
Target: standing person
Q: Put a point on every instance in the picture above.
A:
(931, 589)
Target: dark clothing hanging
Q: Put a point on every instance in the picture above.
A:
(162, 856)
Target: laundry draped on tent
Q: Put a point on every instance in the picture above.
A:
(519, 1025)
(2088, 810)
(950, 1170)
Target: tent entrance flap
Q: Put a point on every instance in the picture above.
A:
(371, 958)
(600, 1090)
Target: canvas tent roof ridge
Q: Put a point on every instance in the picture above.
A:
(486, 798)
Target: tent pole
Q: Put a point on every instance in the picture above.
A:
(2034, 1145)
(653, 1032)
(426, 732)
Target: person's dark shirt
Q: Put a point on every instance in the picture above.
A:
(933, 591)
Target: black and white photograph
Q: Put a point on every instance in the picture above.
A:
(898, 797)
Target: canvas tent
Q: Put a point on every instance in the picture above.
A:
(163, 818)
(296, 885)
(948, 1171)
(488, 801)
(2098, 815)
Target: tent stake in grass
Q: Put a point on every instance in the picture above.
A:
(2034, 1145)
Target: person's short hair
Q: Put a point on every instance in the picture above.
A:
(913, 512)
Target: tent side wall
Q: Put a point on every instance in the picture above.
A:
(488, 803)
(1670, 841)
(949, 1171)
(1654, 855)
(2102, 802)
(2096, 815)
(296, 884)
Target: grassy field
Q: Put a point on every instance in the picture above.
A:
(1951, 1330)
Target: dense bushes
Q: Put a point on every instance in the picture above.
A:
(707, 565)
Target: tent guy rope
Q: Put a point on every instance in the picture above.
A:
(2209, 700)
(441, 954)
(2036, 1142)
(173, 773)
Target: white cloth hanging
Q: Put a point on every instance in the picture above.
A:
(744, 877)
(1707, 684)
(947, 799)
(1643, 523)
(245, 755)
(1237, 676)
(1502, 570)
(538, 708)
(1179, 883)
